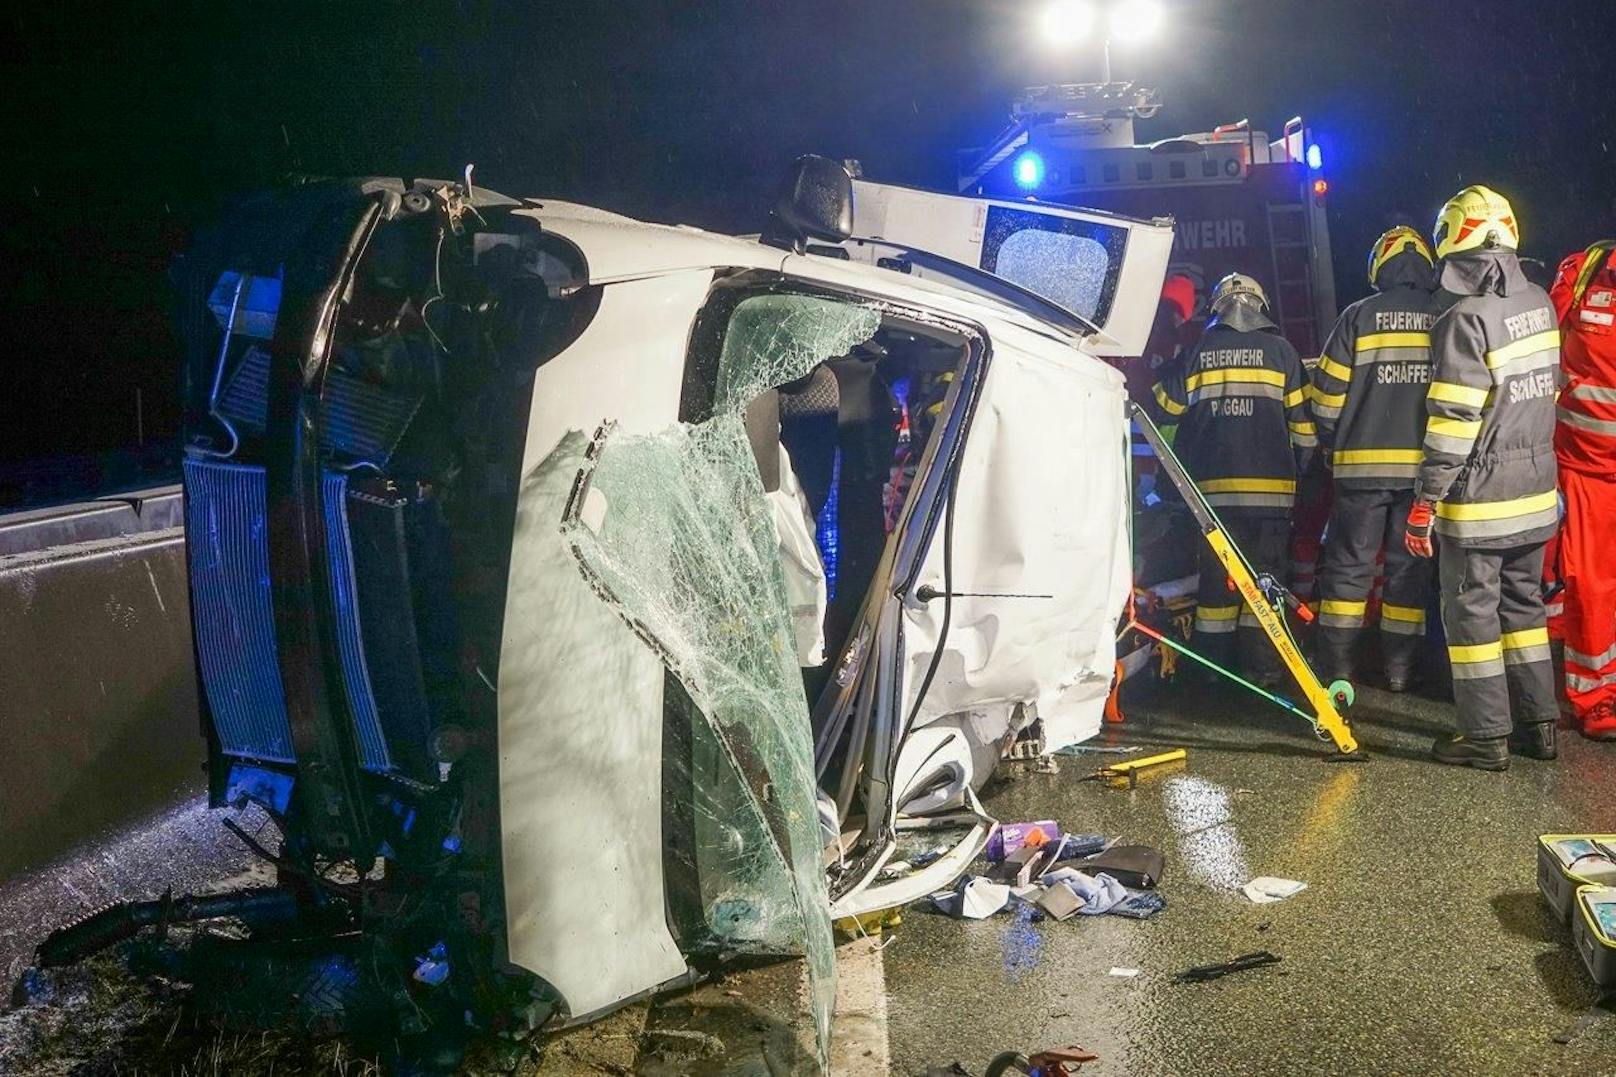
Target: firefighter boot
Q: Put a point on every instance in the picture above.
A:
(1534, 740)
(1400, 656)
(1483, 753)
(1600, 723)
(1332, 654)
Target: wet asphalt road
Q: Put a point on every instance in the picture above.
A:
(1420, 946)
(184, 847)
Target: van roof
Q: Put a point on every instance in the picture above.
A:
(620, 248)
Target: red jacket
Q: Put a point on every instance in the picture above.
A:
(1584, 295)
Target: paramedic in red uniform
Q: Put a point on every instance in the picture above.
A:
(1584, 296)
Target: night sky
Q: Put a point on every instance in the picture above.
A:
(133, 123)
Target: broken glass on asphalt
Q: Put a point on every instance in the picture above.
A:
(676, 532)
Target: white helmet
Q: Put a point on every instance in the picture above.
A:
(1237, 288)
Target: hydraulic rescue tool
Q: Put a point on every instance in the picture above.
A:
(1268, 600)
(1128, 770)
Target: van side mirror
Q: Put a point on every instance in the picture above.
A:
(815, 202)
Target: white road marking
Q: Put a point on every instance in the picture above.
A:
(858, 1032)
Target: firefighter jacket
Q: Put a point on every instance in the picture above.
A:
(1489, 437)
(1244, 432)
(1368, 392)
(1584, 296)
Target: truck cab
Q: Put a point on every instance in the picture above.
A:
(1240, 199)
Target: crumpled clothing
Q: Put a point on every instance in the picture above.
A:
(1098, 893)
(1102, 895)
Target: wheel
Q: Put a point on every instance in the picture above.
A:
(1343, 694)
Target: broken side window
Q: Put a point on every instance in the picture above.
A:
(676, 533)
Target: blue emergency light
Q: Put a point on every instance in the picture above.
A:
(1028, 170)
(1315, 158)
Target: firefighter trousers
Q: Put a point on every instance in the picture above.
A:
(1223, 626)
(1498, 642)
(1362, 523)
(1588, 568)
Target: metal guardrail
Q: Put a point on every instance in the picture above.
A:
(98, 712)
(136, 512)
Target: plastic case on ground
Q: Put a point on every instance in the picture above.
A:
(1593, 932)
(1567, 861)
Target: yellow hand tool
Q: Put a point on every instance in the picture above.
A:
(1129, 769)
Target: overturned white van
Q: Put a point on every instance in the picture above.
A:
(614, 596)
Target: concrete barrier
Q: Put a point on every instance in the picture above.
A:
(98, 710)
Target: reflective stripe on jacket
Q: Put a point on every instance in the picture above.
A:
(1584, 295)
(1368, 391)
(1244, 429)
(1489, 439)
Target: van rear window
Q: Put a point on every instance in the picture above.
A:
(1075, 263)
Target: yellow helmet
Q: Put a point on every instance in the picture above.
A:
(1395, 241)
(1475, 217)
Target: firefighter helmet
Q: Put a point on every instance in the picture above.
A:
(1237, 288)
(1395, 241)
(1476, 217)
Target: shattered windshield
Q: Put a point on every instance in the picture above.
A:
(774, 339)
(677, 531)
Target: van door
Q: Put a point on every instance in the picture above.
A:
(1105, 268)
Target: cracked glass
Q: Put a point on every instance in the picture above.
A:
(676, 533)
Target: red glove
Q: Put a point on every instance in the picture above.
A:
(1417, 533)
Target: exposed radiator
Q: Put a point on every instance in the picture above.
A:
(356, 418)
(350, 643)
(235, 622)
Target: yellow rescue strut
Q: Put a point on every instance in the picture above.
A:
(1267, 599)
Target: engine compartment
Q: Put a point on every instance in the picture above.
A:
(352, 459)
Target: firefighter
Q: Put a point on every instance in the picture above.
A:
(1487, 484)
(1584, 296)
(1368, 398)
(1244, 434)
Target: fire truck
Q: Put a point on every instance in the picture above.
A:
(1239, 200)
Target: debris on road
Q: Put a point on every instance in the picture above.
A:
(1056, 1062)
(973, 898)
(1266, 889)
(1216, 971)
(870, 924)
(1060, 902)
(1007, 838)
(977, 898)
(1024, 865)
(1098, 893)
(1076, 846)
(1138, 867)
(1046, 873)
(1140, 905)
